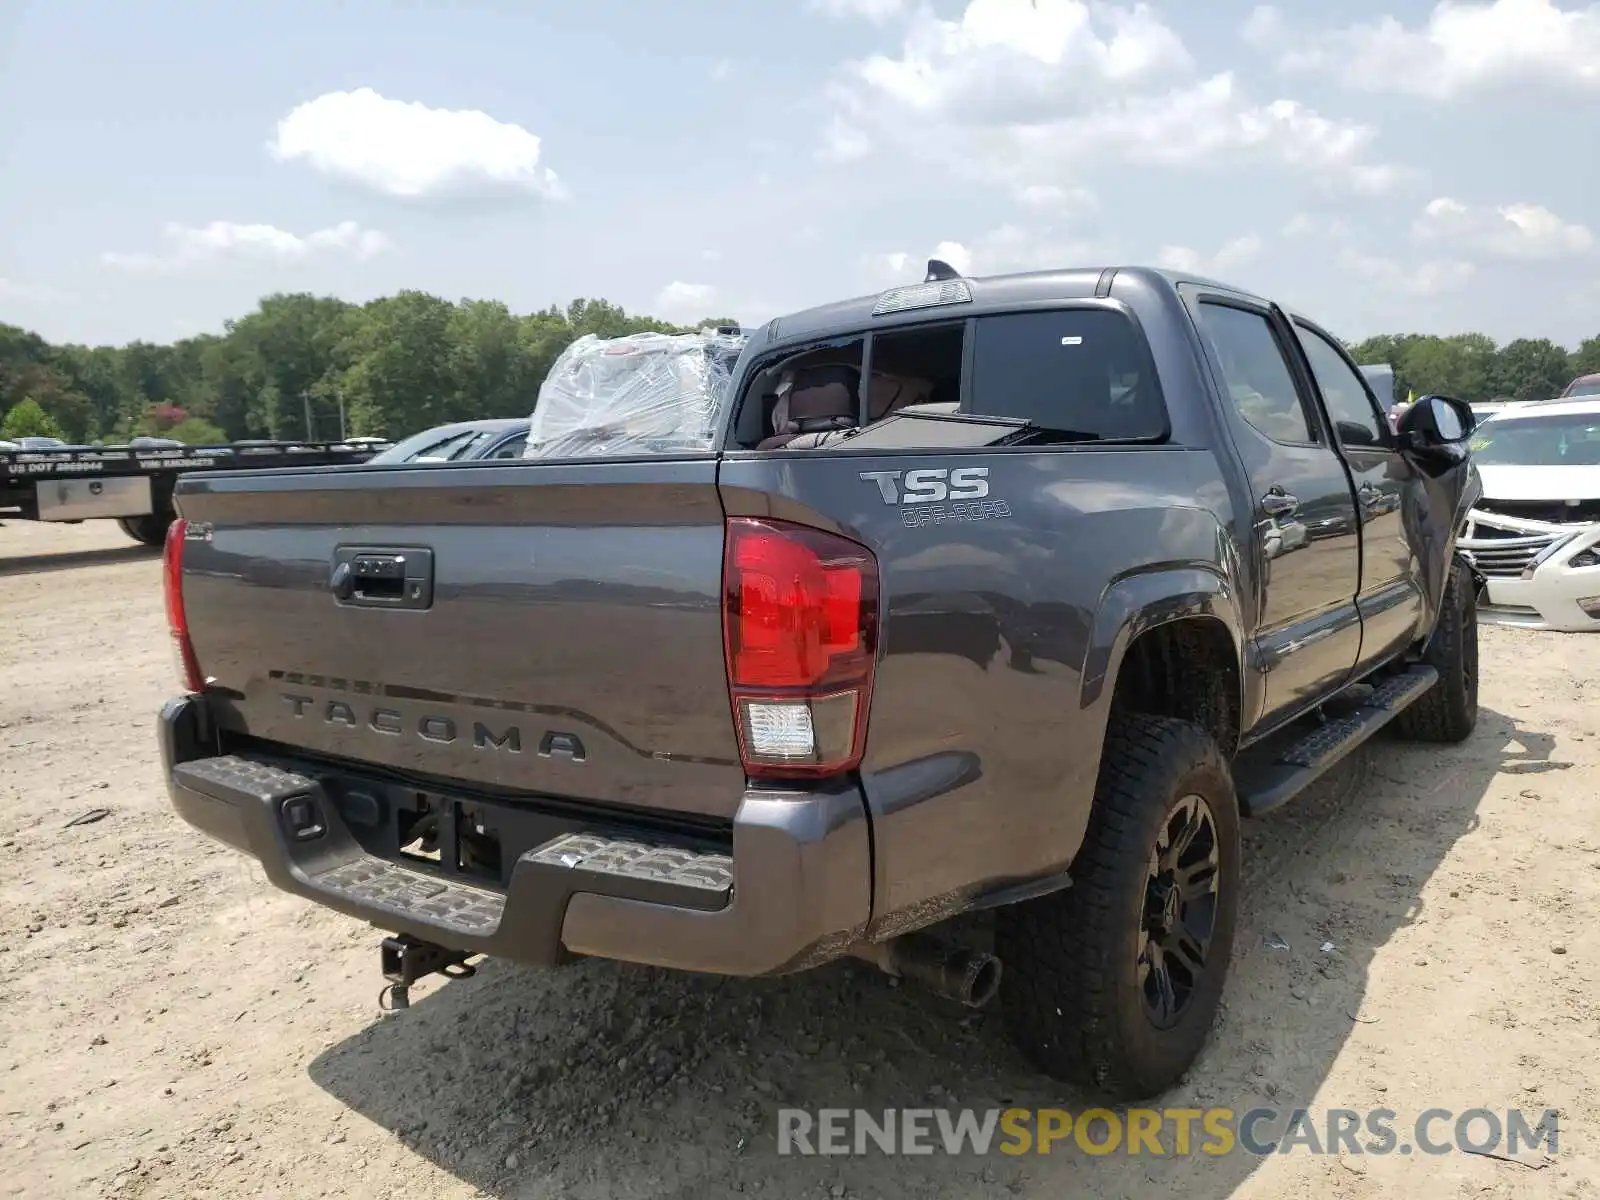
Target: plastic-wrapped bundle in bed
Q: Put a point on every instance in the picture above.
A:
(646, 393)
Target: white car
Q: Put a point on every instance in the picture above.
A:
(1535, 534)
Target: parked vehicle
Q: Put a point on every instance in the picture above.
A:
(44, 479)
(1381, 378)
(1535, 533)
(1006, 594)
(1582, 386)
(460, 441)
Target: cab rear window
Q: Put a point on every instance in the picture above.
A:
(1067, 374)
(1083, 370)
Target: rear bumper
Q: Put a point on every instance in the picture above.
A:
(795, 890)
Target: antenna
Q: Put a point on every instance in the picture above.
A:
(939, 269)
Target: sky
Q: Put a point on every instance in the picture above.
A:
(1384, 167)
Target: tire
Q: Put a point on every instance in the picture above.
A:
(150, 529)
(1073, 988)
(1448, 711)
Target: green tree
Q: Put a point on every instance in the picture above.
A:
(1531, 369)
(1586, 358)
(288, 348)
(27, 419)
(96, 373)
(493, 371)
(1459, 366)
(1394, 349)
(399, 376)
(196, 431)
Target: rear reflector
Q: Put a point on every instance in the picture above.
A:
(177, 620)
(800, 623)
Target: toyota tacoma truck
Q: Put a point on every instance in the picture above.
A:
(1007, 595)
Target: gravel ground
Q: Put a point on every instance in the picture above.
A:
(172, 1026)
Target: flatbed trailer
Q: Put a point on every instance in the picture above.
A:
(132, 485)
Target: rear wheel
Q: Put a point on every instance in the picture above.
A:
(1448, 711)
(151, 529)
(1113, 983)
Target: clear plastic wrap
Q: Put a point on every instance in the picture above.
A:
(646, 393)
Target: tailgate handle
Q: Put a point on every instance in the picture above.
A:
(369, 577)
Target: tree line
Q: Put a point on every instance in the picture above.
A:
(303, 366)
(306, 366)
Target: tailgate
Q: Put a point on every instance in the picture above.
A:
(552, 628)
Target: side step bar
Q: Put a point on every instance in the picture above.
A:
(1265, 787)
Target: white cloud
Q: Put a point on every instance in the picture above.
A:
(189, 245)
(1229, 257)
(682, 302)
(876, 11)
(1004, 249)
(1264, 27)
(1048, 197)
(844, 142)
(1462, 47)
(1431, 278)
(1313, 225)
(1519, 230)
(879, 271)
(1028, 93)
(957, 255)
(1020, 58)
(411, 151)
(44, 293)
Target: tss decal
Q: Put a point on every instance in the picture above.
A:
(929, 489)
(928, 485)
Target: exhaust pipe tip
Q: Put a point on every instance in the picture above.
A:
(982, 977)
(970, 977)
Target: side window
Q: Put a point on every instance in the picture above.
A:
(512, 447)
(1343, 391)
(1077, 369)
(1258, 379)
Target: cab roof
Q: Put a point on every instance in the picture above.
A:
(990, 293)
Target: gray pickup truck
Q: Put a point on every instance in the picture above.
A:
(1010, 594)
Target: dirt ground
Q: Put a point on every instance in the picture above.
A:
(171, 1026)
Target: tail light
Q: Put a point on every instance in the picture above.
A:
(177, 619)
(800, 626)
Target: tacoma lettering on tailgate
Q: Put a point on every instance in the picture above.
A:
(429, 727)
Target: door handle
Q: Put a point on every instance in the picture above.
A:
(399, 577)
(1278, 502)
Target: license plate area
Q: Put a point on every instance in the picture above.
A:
(455, 837)
(473, 839)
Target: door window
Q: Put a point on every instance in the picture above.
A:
(1344, 392)
(1258, 378)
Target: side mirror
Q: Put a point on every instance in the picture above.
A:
(1354, 433)
(1435, 422)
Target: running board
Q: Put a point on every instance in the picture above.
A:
(1263, 788)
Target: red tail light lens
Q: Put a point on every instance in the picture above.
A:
(177, 619)
(800, 621)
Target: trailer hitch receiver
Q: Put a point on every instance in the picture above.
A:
(405, 960)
